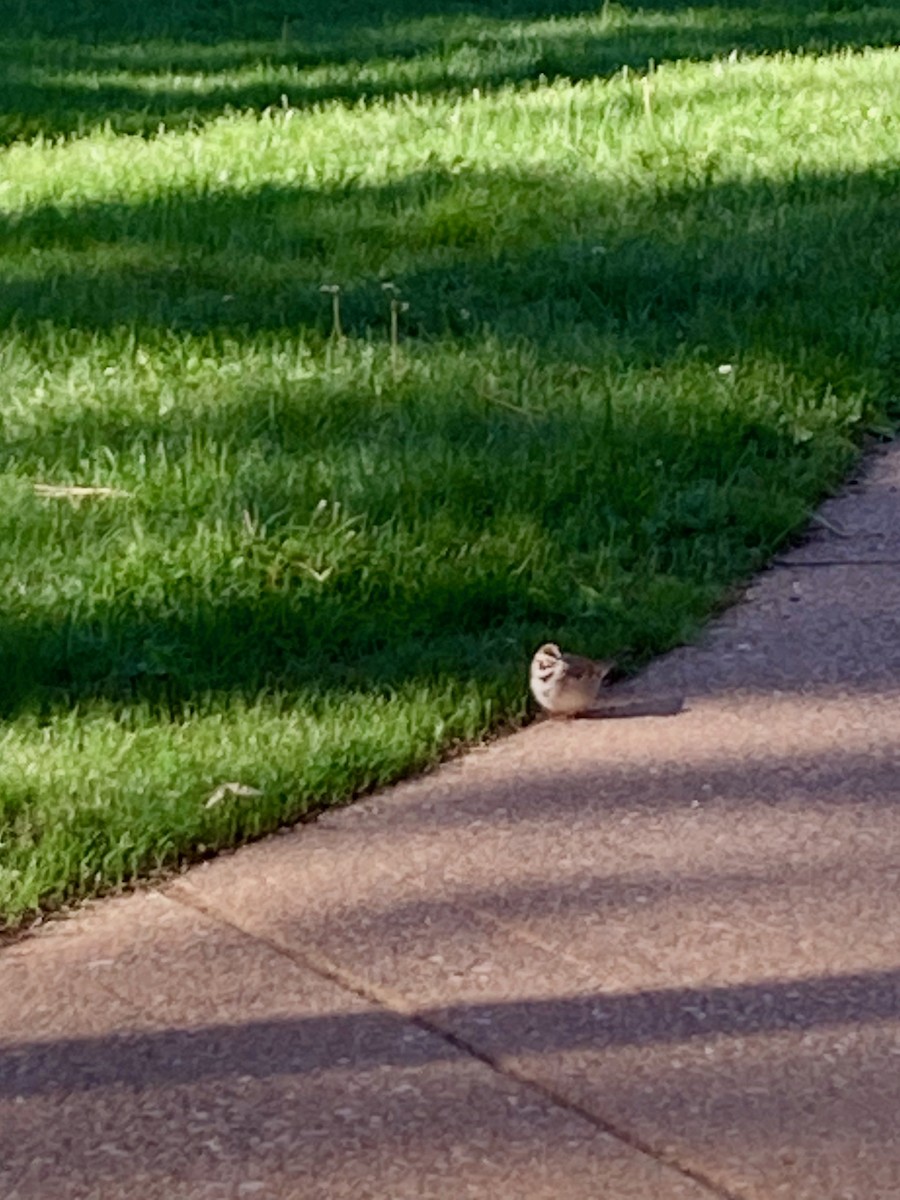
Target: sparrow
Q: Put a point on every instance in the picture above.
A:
(566, 684)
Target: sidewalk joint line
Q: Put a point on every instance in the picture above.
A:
(395, 1003)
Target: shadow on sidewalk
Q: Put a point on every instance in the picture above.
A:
(322, 1099)
(298, 1046)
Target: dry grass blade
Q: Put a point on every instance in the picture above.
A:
(231, 789)
(61, 491)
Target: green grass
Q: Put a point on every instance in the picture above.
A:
(651, 313)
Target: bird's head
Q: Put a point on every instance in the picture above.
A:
(546, 657)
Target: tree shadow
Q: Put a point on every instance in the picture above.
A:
(723, 1071)
(683, 282)
(363, 1092)
(263, 1049)
(722, 264)
(367, 1098)
(63, 72)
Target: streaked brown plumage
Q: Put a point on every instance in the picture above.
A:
(566, 684)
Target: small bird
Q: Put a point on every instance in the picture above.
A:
(566, 684)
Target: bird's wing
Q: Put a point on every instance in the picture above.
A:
(580, 667)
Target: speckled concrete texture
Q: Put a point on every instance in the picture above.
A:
(149, 1051)
(652, 958)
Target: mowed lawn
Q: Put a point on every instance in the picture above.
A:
(619, 299)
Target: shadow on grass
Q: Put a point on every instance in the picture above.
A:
(718, 264)
(806, 276)
(63, 73)
(451, 577)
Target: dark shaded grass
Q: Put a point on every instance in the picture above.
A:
(496, 488)
(53, 57)
(722, 266)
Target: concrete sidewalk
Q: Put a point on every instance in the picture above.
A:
(653, 959)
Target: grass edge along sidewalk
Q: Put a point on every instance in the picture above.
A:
(643, 338)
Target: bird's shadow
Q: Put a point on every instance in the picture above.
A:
(663, 706)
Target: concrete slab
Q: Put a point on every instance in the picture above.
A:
(150, 1051)
(865, 531)
(650, 961)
